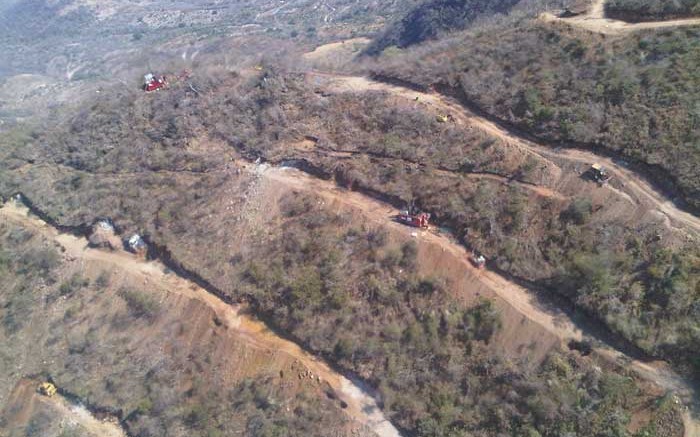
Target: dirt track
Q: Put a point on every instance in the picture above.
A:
(360, 406)
(636, 189)
(552, 320)
(26, 402)
(594, 21)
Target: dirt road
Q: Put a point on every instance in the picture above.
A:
(80, 416)
(595, 21)
(26, 402)
(551, 319)
(336, 48)
(361, 406)
(636, 188)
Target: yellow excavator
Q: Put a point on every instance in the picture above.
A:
(47, 389)
(444, 118)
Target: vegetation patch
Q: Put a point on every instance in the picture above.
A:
(346, 296)
(140, 304)
(624, 96)
(650, 10)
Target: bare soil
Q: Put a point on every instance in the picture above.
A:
(629, 188)
(26, 403)
(271, 350)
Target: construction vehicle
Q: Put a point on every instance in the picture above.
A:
(415, 219)
(137, 245)
(152, 82)
(443, 118)
(600, 174)
(47, 389)
(478, 260)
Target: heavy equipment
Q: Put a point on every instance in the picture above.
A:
(443, 118)
(47, 389)
(152, 82)
(478, 260)
(600, 174)
(415, 219)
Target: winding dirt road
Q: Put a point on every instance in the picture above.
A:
(636, 188)
(553, 320)
(361, 406)
(595, 21)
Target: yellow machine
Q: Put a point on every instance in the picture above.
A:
(600, 174)
(442, 118)
(47, 389)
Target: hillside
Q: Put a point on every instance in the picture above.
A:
(140, 348)
(430, 19)
(571, 87)
(345, 288)
(473, 337)
(554, 238)
(434, 18)
(276, 290)
(650, 10)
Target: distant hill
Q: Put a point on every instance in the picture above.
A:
(650, 10)
(434, 17)
(32, 32)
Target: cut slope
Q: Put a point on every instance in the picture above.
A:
(360, 406)
(634, 186)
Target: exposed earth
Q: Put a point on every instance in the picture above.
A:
(166, 321)
(358, 404)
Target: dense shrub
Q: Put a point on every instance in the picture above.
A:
(434, 17)
(648, 10)
(626, 96)
(140, 304)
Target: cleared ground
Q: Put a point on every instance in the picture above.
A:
(240, 327)
(627, 186)
(25, 405)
